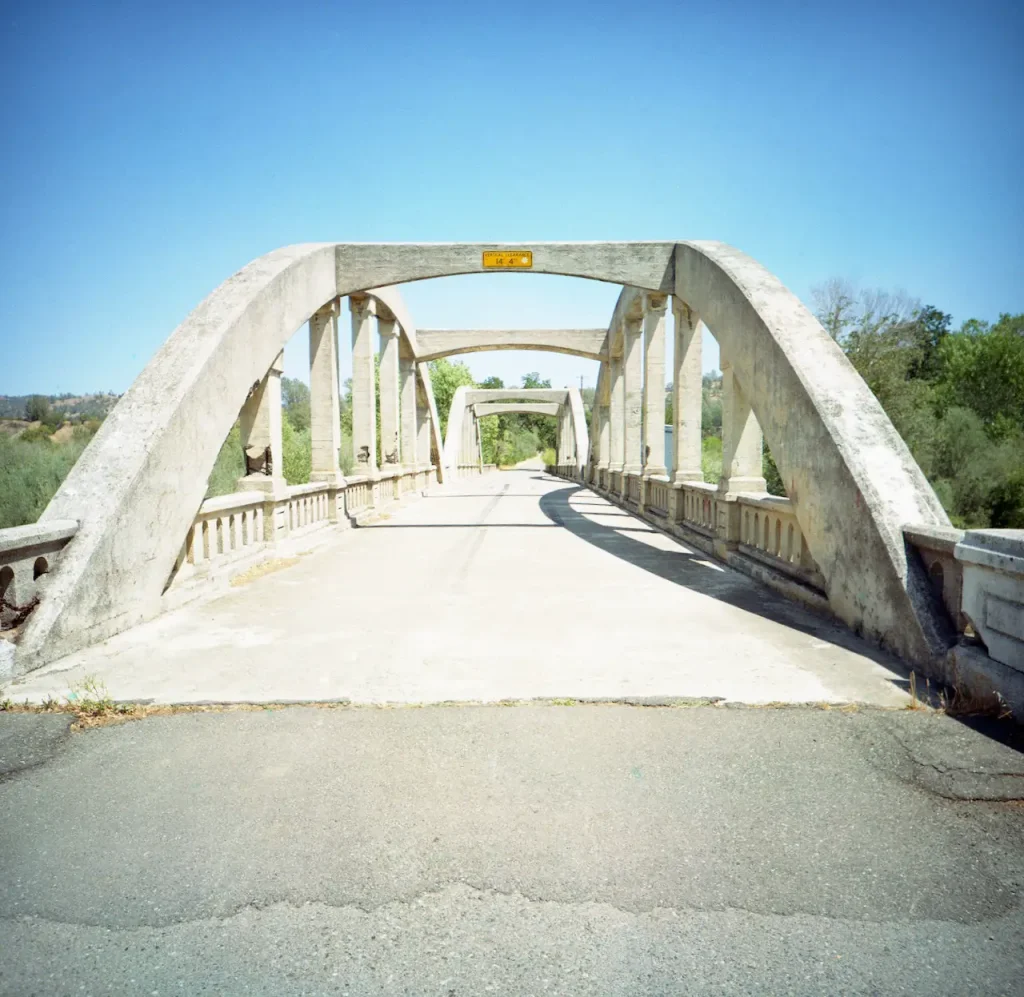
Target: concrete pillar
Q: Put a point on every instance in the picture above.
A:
(632, 375)
(602, 435)
(410, 416)
(422, 426)
(260, 421)
(390, 446)
(616, 415)
(687, 395)
(364, 406)
(741, 439)
(568, 448)
(324, 413)
(466, 455)
(654, 385)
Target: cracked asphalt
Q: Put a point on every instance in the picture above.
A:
(536, 849)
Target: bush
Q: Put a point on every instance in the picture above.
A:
(548, 456)
(228, 467)
(711, 459)
(30, 474)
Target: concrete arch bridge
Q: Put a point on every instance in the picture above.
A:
(859, 553)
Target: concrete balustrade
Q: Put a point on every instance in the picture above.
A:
(233, 532)
(757, 534)
(27, 553)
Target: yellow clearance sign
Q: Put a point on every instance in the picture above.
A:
(508, 259)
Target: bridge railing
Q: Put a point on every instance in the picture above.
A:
(978, 575)
(27, 553)
(239, 530)
(758, 534)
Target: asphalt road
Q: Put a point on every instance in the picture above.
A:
(523, 850)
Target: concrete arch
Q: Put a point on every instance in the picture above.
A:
(466, 401)
(587, 343)
(850, 476)
(136, 487)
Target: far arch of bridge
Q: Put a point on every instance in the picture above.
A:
(591, 344)
(484, 409)
(134, 491)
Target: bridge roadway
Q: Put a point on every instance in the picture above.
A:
(514, 585)
(540, 848)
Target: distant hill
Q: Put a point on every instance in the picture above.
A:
(95, 406)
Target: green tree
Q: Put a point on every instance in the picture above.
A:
(445, 377)
(295, 402)
(984, 371)
(37, 409)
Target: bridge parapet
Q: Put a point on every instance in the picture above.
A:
(27, 553)
(232, 533)
(756, 533)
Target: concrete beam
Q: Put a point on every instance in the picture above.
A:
(589, 343)
(476, 395)
(515, 408)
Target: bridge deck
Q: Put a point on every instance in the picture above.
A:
(514, 585)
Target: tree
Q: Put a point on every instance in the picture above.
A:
(984, 371)
(37, 409)
(295, 402)
(445, 377)
(834, 303)
(492, 382)
(532, 380)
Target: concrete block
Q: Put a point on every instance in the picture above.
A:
(993, 591)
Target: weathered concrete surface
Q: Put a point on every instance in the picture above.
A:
(851, 477)
(573, 850)
(993, 591)
(514, 585)
(436, 343)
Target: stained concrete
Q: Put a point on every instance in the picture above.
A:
(513, 585)
(529, 850)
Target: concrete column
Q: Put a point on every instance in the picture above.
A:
(602, 435)
(364, 406)
(390, 447)
(260, 421)
(409, 420)
(422, 426)
(324, 414)
(632, 374)
(654, 384)
(616, 415)
(687, 395)
(466, 455)
(561, 437)
(741, 439)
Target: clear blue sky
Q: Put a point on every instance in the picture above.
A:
(150, 152)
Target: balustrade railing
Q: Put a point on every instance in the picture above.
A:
(633, 483)
(699, 507)
(232, 528)
(769, 530)
(27, 553)
(224, 529)
(658, 491)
